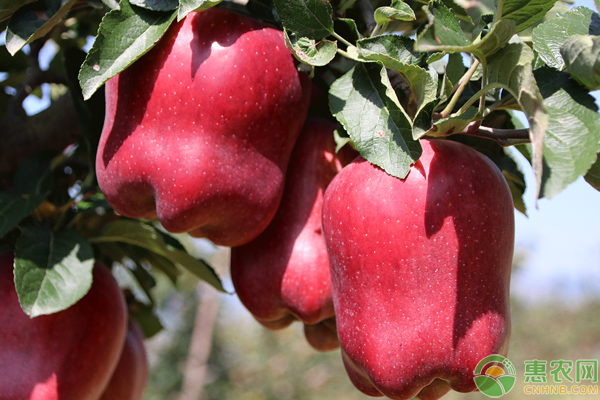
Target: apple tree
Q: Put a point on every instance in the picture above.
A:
(147, 135)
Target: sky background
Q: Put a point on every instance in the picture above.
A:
(559, 240)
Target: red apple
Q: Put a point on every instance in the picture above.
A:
(131, 375)
(283, 275)
(420, 270)
(199, 131)
(69, 355)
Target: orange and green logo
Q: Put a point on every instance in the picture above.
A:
(495, 375)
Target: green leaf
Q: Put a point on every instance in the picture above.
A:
(146, 319)
(8, 7)
(53, 270)
(187, 6)
(139, 29)
(573, 136)
(396, 47)
(306, 18)
(311, 52)
(156, 5)
(593, 175)
(147, 237)
(458, 10)
(511, 68)
(445, 31)
(33, 21)
(597, 3)
(454, 124)
(395, 52)
(525, 12)
(398, 10)
(446, 34)
(111, 4)
(378, 127)
(15, 207)
(582, 59)
(551, 35)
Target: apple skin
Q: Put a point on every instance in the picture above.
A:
(420, 270)
(199, 131)
(69, 355)
(283, 275)
(131, 375)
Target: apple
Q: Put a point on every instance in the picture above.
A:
(283, 274)
(420, 270)
(69, 355)
(198, 132)
(131, 375)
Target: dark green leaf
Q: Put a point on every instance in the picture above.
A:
(146, 319)
(311, 52)
(139, 29)
(147, 237)
(573, 136)
(582, 59)
(306, 18)
(525, 12)
(34, 175)
(53, 270)
(14, 208)
(8, 7)
(156, 5)
(550, 36)
(187, 6)
(593, 175)
(33, 21)
(375, 122)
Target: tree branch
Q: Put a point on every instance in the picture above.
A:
(504, 137)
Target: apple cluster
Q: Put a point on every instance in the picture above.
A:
(211, 133)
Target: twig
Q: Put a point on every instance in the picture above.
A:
(504, 137)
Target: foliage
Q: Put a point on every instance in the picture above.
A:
(395, 71)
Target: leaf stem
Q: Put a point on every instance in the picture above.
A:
(461, 87)
(477, 95)
(341, 39)
(499, 11)
(484, 82)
